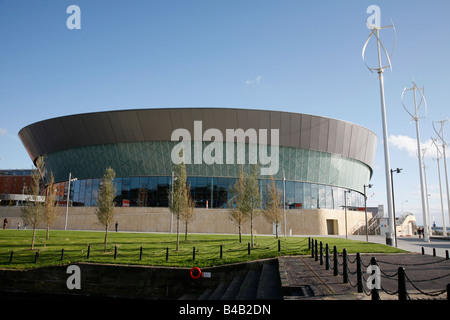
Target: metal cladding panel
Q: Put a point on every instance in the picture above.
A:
(134, 123)
(296, 121)
(323, 133)
(119, 134)
(340, 137)
(296, 130)
(55, 140)
(285, 133)
(347, 138)
(28, 139)
(332, 136)
(305, 138)
(361, 146)
(253, 119)
(264, 123)
(242, 120)
(315, 133)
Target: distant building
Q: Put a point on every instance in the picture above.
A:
(13, 184)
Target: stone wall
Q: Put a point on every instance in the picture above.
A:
(301, 222)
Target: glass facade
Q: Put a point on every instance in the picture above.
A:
(314, 179)
(212, 192)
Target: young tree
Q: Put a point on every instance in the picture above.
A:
(272, 209)
(188, 214)
(237, 204)
(105, 201)
(177, 195)
(31, 212)
(253, 197)
(49, 210)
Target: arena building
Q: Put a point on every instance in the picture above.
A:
(322, 164)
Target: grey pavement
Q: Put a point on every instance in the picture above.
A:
(411, 244)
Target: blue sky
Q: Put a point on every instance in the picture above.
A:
(298, 56)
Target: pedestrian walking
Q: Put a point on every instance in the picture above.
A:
(419, 232)
(18, 225)
(5, 223)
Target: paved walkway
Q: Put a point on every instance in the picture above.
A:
(411, 244)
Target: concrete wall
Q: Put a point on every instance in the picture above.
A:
(302, 222)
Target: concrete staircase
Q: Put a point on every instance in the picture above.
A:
(263, 283)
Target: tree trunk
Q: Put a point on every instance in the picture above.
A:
(276, 230)
(32, 240)
(186, 232)
(106, 236)
(178, 231)
(48, 232)
(240, 237)
(251, 228)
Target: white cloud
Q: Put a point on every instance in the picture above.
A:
(255, 81)
(410, 145)
(3, 131)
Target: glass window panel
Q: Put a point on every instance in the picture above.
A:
(163, 192)
(290, 192)
(314, 196)
(298, 195)
(307, 195)
(322, 204)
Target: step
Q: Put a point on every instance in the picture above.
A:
(188, 296)
(233, 288)
(249, 286)
(206, 294)
(269, 286)
(219, 291)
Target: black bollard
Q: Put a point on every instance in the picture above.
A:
(140, 253)
(402, 295)
(316, 256)
(115, 252)
(327, 257)
(221, 251)
(167, 254)
(279, 245)
(193, 253)
(11, 257)
(434, 252)
(335, 261)
(344, 266)
(248, 248)
(62, 254)
(89, 252)
(36, 257)
(321, 254)
(423, 250)
(309, 243)
(359, 272)
(312, 248)
(374, 292)
(446, 255)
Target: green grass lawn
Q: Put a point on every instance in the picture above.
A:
(154, 248)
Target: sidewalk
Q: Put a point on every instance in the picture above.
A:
(411, 244)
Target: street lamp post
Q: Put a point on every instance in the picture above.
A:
(68, 198)
(415, 117)
(375, 31)
(365, 209)
(438, 156)
(393, 205)
(345, 206)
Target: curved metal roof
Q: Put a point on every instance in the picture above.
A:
(296, 130)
